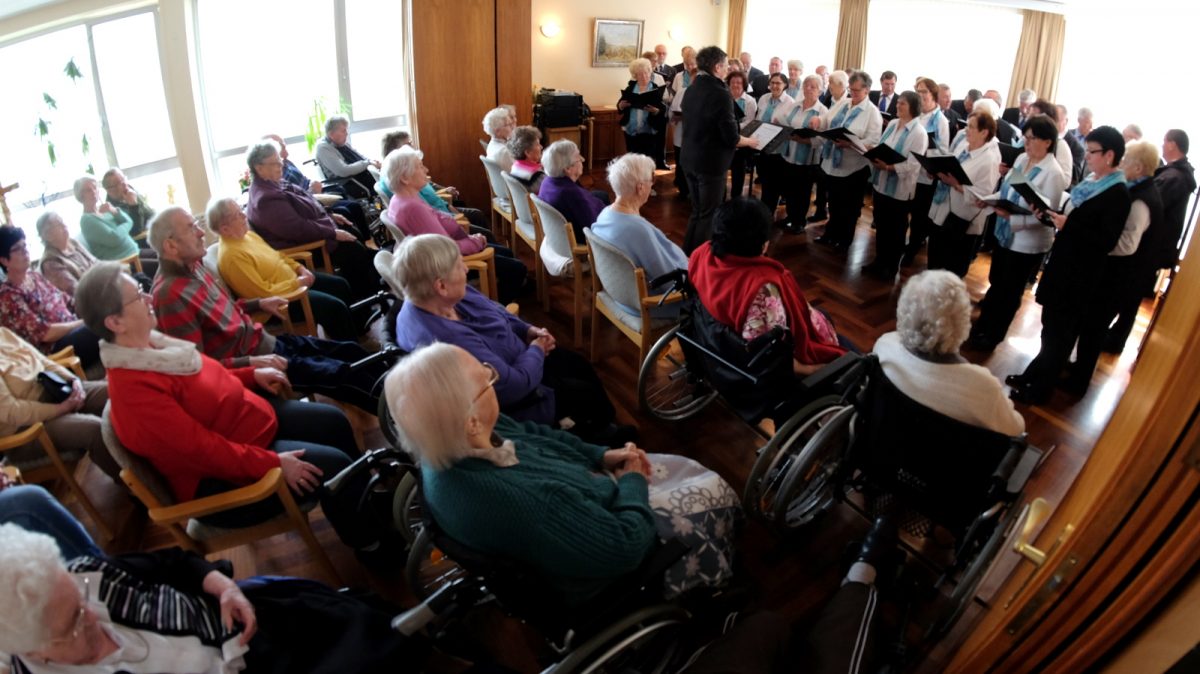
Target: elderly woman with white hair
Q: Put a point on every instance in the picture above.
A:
(576, 513)
(498, 125)
(106, 228)
(622, 225)
(342, 165)
(795, 69)
(921, 358)
(525, 144)
(561, 189)
(63, 259)
(174, 611)
(641, 124)
(537, 380)
(406, 175)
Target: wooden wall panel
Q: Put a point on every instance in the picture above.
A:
(514, 56)
(454, 52)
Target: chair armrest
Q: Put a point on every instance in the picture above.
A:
(62, 354)
(463, 222)
(295, 294)
(653, 300)
(310, 246)
(484, 255)
(266, 486)
(579, 251)
(141, 236)
(21, 437)
(305, 258)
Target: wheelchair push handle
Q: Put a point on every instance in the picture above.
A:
(388, 353)
(677, 279)
(361, 464)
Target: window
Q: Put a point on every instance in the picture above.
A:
(964, 45)
(131, 79)
(791, 29)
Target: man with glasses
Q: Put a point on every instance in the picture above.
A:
(847, 169)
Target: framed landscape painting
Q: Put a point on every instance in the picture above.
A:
(616, 42)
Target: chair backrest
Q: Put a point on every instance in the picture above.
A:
(147, 484)
(210, 260)
(499, 188)
(553, 227)
(392, 227)
(520, 198)
(617, 273)
(385, 266)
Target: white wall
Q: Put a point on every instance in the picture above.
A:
(565, 61)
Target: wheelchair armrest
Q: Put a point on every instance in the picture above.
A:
(839, 374)
(1014, 468)
(441, 605)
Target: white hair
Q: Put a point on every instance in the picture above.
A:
(430, 401)
(419, 261)
(819, 80)
(796, 63)
(988, 107)
(215, 212)
(558, 157)
(400, 165)
(640, 65)
(626, 171)
(494, 119)
(840, 77)
(29, 566)
(77, 188)
(1027, 96)
(933, 315)
(162, 226)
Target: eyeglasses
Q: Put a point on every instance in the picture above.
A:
(493, 377)
(142, 295)
(1095, 151)
(80, 615)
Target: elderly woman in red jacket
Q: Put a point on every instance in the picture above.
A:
(749, 292)
(208, 429)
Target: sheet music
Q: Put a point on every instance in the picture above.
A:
(765, 133)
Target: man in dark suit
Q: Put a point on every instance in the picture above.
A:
(956, 121)
(1078, 152)
(661, 67)
(758, 85)
(886, 92)
(1017, 116)
(710, 135)
(1006, 131)
(752, 74)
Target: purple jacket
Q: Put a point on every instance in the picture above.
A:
(493, 336)
(579, 206)
(285, 215)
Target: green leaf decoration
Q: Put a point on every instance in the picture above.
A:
(72, 71)
(43, 127)
(87, 147)
(50, 151)
(50, 102)
(90, 170)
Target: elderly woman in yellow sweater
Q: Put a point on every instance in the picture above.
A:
(254, 269)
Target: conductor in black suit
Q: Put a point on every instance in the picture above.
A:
(710, 135)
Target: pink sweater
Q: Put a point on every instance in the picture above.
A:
(413, 216)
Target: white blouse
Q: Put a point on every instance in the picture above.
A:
(799, 117)
(867, 126)
(1135, 227)
(780, 107)
(941, 129)
(1029, 234)
(905, 171)
(983, 168)
(748, 106)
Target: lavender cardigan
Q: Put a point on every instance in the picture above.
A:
(579, 206)
(285, 215)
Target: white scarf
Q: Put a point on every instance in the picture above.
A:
(169, 355)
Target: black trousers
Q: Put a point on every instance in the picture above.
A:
(323, 366)
(1120, 276)
(773, 172)
(353, 211)
(1128, 302)
(743, 159)
(85, 342)
(706, 193)
(680, 179)
(845, 206)
(891, 224)
(919, 223)
(356, 263)
(578, 392)
(1062, 325)
(797, 190)
(1007, 276)
(642, 143)
(822, 195)
(950, 247)
(511, 274)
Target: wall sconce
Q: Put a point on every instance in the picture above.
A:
(550, 28)
(675, 33)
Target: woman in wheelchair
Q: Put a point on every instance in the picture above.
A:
(580, 514)
(933, 319)
(746, 290)
(537, 381)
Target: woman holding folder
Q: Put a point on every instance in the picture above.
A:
(641, 122)
(772, 107)
(1022, 240)
(894, 183)
(938, 129)
(957, 218)
(847, 170)
(744, 104)
(803, 155)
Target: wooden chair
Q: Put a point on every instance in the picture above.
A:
(559, 251)
(67, 358)
(483, 262)
(502, 210)
(527, 228)
(133, 262)
(309, 326)
(615, 281)
(312, 248)
(51, 465)
(181, 518)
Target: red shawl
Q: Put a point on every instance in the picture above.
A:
(727, 287)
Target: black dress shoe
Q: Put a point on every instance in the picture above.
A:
(1016, 380)
(819, 216)
(880, 549)
(1029, 395)
(826, 240)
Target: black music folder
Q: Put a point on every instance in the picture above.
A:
(936, 164)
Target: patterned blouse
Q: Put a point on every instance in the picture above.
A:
(29, 310)
(767, 312)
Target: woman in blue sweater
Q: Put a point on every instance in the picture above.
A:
(580, 514)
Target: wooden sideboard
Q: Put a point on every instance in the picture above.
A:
(608, 141)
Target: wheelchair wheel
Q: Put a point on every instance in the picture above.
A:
(387, 425)
(406, 507)
(968, 581)
(644, 641)
(666, 389)
(428, 568)
(791, 483)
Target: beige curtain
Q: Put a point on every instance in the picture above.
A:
(851, 50)
(737, 24)
(1039, 56)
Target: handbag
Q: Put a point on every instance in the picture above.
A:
(57, 389)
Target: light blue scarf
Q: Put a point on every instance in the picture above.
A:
(933, 128)
(1004, 233)
(889, 185)
(943, 190)
(794, 92)
(832, 151)
(687, 79)
(637, 117)
(799, 151)
(768, 111)
(1090, 187)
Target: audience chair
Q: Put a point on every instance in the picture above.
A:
(384, 265)
(308, 328)
(312, 248)
(503, 219)
(133, 262)
(558, 241)
(67, 358)
(180, 518)
(527, 228)
(51, 465)
(616, 280)
(482, 262)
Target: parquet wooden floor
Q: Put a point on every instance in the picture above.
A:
(794, 576)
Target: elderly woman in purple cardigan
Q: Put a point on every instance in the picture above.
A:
(534, 380)
(560, 189)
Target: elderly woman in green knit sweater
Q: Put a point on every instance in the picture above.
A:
(581, 514)
(106, 228)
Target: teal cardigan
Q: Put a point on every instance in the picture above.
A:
(107, 235)
(554, 509)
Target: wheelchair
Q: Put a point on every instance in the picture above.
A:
(884, 454)
(701, 359)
